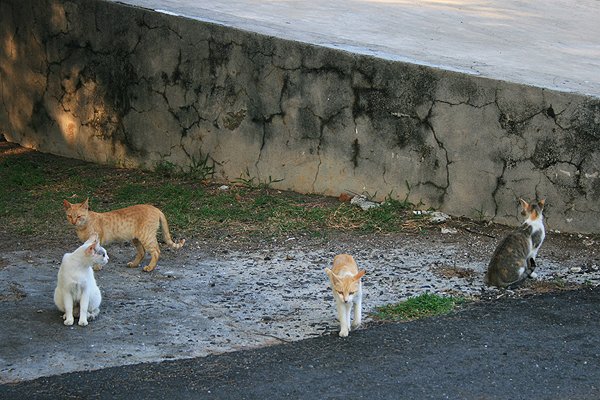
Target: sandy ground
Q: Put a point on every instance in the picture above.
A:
(215, 296)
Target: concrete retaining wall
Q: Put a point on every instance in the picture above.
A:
(129, 87)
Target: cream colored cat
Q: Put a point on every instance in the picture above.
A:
(347, 291)
(137, 223)
(76, 293)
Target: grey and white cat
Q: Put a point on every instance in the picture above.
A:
(76, 291)
(514, 258)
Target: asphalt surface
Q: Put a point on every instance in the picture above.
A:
(540, 347)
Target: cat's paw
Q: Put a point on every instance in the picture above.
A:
(533, 275)
(131, 264)
(355, 324)
(344, 333)
(69, 321)
(97, 267)
(148, 268)
(83, 322)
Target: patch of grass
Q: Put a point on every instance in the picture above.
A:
(34, 185)
(424, 305)
(19, 172)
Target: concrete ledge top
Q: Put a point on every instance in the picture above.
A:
(553, 44)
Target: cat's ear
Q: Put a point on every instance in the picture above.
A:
(90, 249)
(331, 275)
(541, 203)
(526, 207)
(524, 204)
(66, 204)
(85, 204)
(360, 274)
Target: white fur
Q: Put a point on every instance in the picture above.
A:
(76, 284)
(536, 225)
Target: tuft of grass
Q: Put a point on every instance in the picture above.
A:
(424, 305)
(480, 214)
(200, 169)
(252, 182)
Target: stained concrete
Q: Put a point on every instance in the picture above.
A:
(133, 87)
(551, 45)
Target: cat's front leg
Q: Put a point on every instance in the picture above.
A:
(357, 313)
(531, 266)
(344, 313)
(83, 308)
(68, 303)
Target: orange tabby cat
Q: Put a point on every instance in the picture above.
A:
(347, 290)
(137, 223)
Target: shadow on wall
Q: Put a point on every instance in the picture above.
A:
(75, 96)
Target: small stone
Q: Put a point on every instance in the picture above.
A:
(438, 217)
(224, 187)
(363, 203)
(575, 269)
(449, 230)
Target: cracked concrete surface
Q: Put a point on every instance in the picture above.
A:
(131, 87)
(219, 296)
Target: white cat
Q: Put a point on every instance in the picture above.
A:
(347, 290)
(76, 287)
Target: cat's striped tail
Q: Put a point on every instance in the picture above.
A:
(167, 234)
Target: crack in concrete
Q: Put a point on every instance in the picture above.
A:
(427, 122)
(500, 182)
(142, 23)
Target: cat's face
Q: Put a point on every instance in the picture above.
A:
(77, 214)
(532, 211)
(346, 287)
(95, 252)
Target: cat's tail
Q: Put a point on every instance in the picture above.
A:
(167, 234)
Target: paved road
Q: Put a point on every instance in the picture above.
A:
(544, 347)
(552, 44)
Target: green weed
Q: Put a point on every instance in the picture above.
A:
(252, 182)
(480, 214)
(424, 305)
(201, 169)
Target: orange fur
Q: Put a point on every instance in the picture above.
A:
(137, 223)
(345, 276)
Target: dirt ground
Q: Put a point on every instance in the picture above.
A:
(220, 294)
